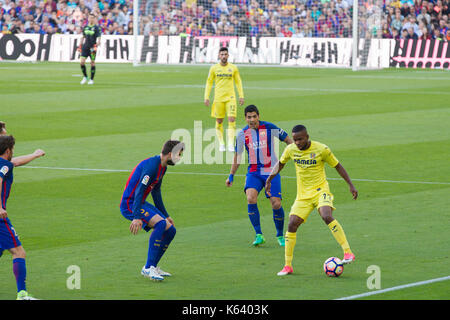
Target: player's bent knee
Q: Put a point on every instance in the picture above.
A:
(294, 223)
(276, 203)
(18, 252)
(154, 220)
(252, 195)
(326, 214)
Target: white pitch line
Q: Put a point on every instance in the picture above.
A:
(201, 86)
(415, 284)
(226, 174)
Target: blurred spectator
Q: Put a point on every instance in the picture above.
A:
(437, 35)
(411, 23)
(386, 31)
(404, 34)
(425, 34)
(424, 15)
(397, 20)
(411, 34)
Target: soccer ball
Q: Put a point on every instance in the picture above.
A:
(333, 267)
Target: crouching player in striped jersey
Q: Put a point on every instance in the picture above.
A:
(146, 178)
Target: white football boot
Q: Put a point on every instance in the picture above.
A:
(84, 80)
(162, 272)
(151, 273)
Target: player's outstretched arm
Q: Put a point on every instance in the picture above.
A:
(23, 160)
(343, 173)
(276, 170)
(234, 168)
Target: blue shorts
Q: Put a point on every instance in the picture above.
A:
(148, 210)
(8, 236)
(258, 182)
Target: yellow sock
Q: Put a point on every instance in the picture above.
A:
(290, 240)
(231, 132)
(339, 235)
(219, 133)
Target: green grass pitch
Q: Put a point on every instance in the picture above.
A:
(389, 128)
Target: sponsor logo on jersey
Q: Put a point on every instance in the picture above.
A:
(89, 32)
(305, 162)
(145, 180)
(4, 170)
(257, 145)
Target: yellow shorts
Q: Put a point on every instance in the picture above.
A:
(220, 109)
(303, 207)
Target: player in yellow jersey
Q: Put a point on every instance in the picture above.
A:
(312, 191)
(225, 75)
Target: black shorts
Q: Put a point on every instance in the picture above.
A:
(88, 52)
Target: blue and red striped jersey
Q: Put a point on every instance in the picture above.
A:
(145, 178)
(6, 175)
(260, 144)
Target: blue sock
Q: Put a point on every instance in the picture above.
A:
(278, 219)
(20, 271)
(253, 214)
(154, 243)
(167, 238)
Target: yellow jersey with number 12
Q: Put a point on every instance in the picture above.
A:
(310, 167)
(225, 78)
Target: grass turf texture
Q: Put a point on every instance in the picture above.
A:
(382, 125)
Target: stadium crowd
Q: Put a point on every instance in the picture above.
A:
(417, 19)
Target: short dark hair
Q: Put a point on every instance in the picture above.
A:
(251, 108)
(223, 49)
(169, 145)
(298, 128)
(6, 142)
